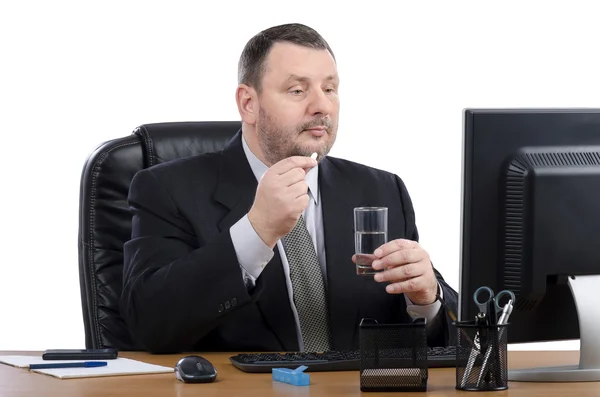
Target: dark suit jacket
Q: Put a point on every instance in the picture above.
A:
(183, 287)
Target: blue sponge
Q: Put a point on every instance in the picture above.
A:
(295, 377)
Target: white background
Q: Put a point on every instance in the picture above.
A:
(74, 74)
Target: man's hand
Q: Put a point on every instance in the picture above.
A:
(280, 199)
(406, 266)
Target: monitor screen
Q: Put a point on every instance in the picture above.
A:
(531, 224)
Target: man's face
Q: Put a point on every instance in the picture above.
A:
(299, 104)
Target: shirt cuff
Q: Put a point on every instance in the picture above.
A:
(252, 253)
(424, 311)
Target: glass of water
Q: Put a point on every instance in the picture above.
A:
(370, 232)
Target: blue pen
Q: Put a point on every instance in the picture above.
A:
(81, 364)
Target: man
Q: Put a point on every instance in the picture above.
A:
(251, 248)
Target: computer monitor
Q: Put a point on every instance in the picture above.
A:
(531, 224)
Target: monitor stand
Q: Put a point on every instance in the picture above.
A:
(587, 301)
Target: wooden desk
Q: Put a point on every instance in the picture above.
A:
(232, 382)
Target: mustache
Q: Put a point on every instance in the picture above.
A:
(321, 122)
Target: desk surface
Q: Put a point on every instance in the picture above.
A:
(232, 382)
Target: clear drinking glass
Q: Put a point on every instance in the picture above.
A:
(370, 232)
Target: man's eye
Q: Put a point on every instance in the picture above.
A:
(330, 90)
(296, 92)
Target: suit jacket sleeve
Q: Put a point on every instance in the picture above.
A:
(441, 331)
(175, 291)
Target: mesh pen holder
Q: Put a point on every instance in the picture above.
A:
(481, 357)
(393, 357)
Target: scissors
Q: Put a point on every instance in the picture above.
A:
(491, 306)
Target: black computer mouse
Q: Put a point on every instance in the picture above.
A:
(195, 369)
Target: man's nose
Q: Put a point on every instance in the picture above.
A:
(320, 103)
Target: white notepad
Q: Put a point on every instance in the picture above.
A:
(116, 367)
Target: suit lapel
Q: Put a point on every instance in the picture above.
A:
(236, 184)
(236, 190)
(339, 198)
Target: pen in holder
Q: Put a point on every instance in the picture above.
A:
(481, 356)
(393, 357)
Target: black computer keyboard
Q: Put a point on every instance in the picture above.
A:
(437, 357)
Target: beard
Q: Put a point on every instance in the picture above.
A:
(278, 143)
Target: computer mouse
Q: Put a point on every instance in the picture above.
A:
(195, 369)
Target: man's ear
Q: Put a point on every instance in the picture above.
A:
(247, 102)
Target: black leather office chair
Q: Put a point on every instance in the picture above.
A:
(105, 220)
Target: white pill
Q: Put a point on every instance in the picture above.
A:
(314, 156)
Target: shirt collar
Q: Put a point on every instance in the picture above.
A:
(259, 168)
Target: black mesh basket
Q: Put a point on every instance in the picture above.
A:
(481, 357)
(393, 357)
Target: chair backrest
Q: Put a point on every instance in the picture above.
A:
(105, 219)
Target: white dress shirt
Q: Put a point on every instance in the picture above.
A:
(253, 254)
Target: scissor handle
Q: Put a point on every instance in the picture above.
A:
(500, 295)
(478, 292)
